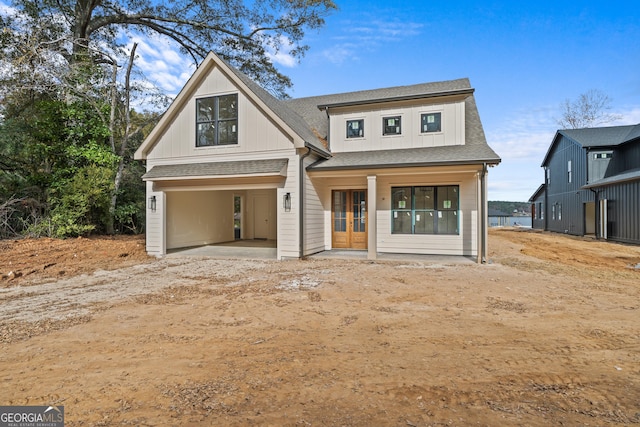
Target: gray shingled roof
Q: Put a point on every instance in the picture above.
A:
(248, 167)
(630, 175)
(309, 107)
(474, 151)
(610, 136)
(282, 110)
(603, 136)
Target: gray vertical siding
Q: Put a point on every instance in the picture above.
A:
(566, 195)
(630, 154)
(623, 206)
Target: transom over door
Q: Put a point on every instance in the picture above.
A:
(349, 219)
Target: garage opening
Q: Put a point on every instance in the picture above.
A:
(241, 219)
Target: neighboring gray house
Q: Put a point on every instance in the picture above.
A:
(397, 170)
(592, 184)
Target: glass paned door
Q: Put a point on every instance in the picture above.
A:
(349, 219)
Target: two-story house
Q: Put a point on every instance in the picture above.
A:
(592, 184)
(396, 170)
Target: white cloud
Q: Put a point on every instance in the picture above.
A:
(525, 135)
(339, 53)
(353, 38)
(161, 62)
(283, 55)
(629, 116)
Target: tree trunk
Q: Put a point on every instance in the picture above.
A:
(125, 141)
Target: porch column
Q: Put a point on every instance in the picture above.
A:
(372, 220)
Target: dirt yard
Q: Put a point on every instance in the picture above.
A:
(547, 333)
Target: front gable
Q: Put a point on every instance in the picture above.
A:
(258, 130)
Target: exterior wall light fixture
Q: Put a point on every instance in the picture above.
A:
(286, 202)
(152, 203)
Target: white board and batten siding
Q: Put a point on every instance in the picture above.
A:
(452, 127)
(257, 133)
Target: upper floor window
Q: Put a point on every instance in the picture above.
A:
(430, 122)
(602, 155)
(355, 128)
(569, 171)
(217, 120)
(391, 125)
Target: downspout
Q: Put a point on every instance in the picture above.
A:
(301, 209)
(546, 200)
(483, 225)
(596, 208)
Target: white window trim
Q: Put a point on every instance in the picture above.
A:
(420, 113)
(388, 116)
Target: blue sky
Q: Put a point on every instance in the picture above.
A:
(523, 59)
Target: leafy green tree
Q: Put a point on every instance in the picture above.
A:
(67, 130)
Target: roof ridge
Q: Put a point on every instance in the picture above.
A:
(465, 84)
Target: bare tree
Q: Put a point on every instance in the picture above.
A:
(588, 110)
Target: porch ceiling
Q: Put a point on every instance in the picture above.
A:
(238, 169)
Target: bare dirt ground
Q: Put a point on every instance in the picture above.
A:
(548, 333)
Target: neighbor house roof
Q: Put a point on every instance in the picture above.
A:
(538, 192)
(610, 136)
(216, 169)
(630, 175)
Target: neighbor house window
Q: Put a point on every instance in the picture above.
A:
(559, 212)
(569, 171)
(355, 128)
(430, 122)
(425, 210)
(391, 125)
(602, 155)
(217, 120)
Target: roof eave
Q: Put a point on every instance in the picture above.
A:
(490, 162)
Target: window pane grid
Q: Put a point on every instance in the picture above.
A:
(425, 210)
(430, 122)
(217, 120)
(391, 125)
(355, 128)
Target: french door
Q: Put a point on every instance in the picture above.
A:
(349, 219)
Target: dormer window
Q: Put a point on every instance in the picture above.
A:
(355, 128)
(605, 155)
(430, 122)
(217, 120)
(391, 125)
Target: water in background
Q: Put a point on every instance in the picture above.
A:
(510, 221)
